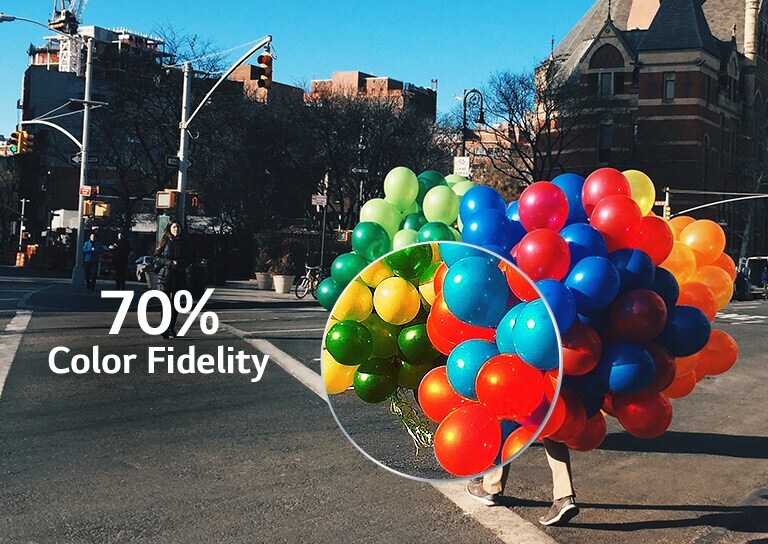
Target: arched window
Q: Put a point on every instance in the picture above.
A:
(607, 56)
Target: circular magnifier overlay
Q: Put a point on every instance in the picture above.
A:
(443, 361)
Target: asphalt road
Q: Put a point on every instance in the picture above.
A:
(216, 458)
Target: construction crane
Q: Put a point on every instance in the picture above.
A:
(67, 15)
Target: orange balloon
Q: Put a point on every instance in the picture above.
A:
(698, 295)
(681, 262)
(686, 365)
(718, 355)
(725, 262)
(679, 223)
(718, 281)
(707, 240)
(681, 386)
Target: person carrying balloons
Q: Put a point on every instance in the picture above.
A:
(489, 488)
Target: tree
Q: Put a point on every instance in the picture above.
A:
(755, 176)
(9, 202)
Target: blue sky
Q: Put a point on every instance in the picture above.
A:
(458, 43)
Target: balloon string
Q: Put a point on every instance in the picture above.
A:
(417, 426)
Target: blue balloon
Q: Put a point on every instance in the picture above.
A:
(587, 385)
(561, 302)
(594, 282)
(636, 269)
(665, 285)
(514, 217)
(490, 228)
(507, 428)
(598, 320)
(464, 363)
(571, 185)
(481, 197)
(505, 336)
(476, 291)
(452, 253)
(625, 367)
(535, 337)
(593, 404)
(584, 241)
(687, 331)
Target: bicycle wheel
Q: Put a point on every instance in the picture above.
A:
(315, 283)
(303, 287)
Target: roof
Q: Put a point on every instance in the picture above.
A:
(680, 24)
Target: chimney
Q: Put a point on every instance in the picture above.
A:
(750, 30)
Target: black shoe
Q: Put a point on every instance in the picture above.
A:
(476, 490)
(561, 512)
(172, 333)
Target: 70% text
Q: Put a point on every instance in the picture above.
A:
(183, 302)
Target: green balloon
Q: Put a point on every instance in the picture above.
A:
(346, 267)
(328, 292)
(405, 238)
(401, 187)
(441, 205)
(428, 180)
(409, 376)
(349, 342)
(384, 336)
(375, 380)
(454, 179)
(429, 273)
(456, 234)
(435, 232)
(413, 208)
(382, 212)
(410, 262)
(415, 345)
(370, 241)
(414, 221)
(462, 187)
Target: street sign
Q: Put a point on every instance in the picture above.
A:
(319, 200)
(77, 159)
(172, 161)
(359, 170)
(85, 190)
(461, 166)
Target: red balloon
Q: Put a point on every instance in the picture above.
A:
(637, 316)
(555, 420)
(618, 220)
(441, 344)
(440, 273)
(725, 262)
(515, 442)
(681, 386)
(509, 388)
(575, 417)
(664, 363)
(603, 183)
(543, 254)
(719, 355)
(436, 396)
(608, 404)
(452, 329)
(591, 436)
(644, 414)
(543, 205)
(520, 286)
(655, 239)
(468, 440)
(582, 349)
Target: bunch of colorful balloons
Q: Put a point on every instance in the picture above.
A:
(421, 208)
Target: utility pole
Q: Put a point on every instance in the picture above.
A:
(78, 272)
(325, 214)
(21, 223)
(181, 184)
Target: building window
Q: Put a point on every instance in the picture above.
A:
(604, 143)
(669, 86)
(634, 139)
(606, 84)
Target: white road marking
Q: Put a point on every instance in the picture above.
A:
(9, 343)
(502, 522)
(282, 331)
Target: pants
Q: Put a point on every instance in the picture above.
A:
(120, 277)
(91, 271)
(174, 311)
(559, 459)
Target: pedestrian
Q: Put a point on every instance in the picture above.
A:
(120, 251)
(489, 488)
(92, 250)
(764, 281)
(170, 262)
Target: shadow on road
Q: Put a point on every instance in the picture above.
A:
(747, 447)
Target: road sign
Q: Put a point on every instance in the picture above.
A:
(359, 170)
(77, 159)
(319, 200)
(461, 166)
(85, 190)
(172, 161)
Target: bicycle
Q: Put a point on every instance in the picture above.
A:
(309, 281)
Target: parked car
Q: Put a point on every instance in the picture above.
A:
(749, 280)
(141, 265)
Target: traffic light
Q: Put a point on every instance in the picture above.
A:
(14, 142)
(193, 202)
(165, 200)
(264, 70)
(26, 140)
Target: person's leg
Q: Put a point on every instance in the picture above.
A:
(120, 278)
(563, 507)
(490, 487)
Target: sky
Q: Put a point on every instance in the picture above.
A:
(461, 44)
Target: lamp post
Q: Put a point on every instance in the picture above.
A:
(472, 98)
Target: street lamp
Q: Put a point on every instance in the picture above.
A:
(473, 98)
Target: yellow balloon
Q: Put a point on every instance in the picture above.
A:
(456, 234)
(396, 301)
(427, 291)
(374, 274)
(642, 188)
(436, 258)
(336, 377)
(355, 302)
(681, 262)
